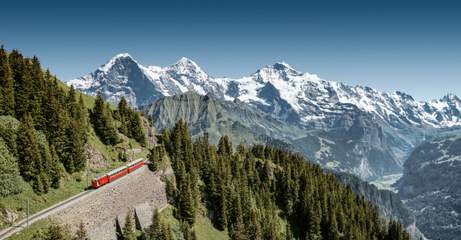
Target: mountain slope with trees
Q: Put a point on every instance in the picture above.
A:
(260, 192)
(47, 131)
(53, 127)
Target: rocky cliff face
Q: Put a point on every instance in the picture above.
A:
(206, 114)
(431, 188)
(121, 76)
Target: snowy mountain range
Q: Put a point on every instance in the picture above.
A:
(347, 128)
(302, 95)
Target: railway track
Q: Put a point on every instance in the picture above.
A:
(41, 215)
(18, 226)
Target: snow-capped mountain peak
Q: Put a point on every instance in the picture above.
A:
(450, 98)
(282, 66)
(184, 61)
(121, 76)
(279, 70)
(117, 59)
(187, 67)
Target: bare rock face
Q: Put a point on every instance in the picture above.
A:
(95, 158)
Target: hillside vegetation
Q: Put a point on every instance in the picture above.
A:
(53, 140)
(260, 192)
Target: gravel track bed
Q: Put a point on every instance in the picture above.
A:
(99, 209)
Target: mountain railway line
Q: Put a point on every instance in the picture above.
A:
(98, 184)
(17, 227)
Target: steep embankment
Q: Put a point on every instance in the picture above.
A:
(99, 210)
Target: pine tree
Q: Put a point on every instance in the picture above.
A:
(332, 231)
(156, 230)
(29, 158)
(128, 232)
(37, 91)
(101, 118)
(187, 232)
(221, 207)
(154, 158)
(237, 231)
(74, 158)
(123, 113)
(253, 227)
(57, 232)
(22, 83)
(131, 122)
(225, 147)
(136, 128)
(9, 174)
(55, 113)
(170, 189)
(82, 112)
(46, 167)
(56, 169)
(6, 85)
(187, 203)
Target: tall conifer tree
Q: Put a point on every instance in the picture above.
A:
(101, 118)
(22, 83)
(6, 85)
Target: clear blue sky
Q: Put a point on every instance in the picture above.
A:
(413, 46)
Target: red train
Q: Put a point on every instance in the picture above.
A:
(116, 173)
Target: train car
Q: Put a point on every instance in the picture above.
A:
(99, 181)
(135, 165)
(116, 173)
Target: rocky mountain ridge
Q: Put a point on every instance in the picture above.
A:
(347, 128)
(303, 96)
